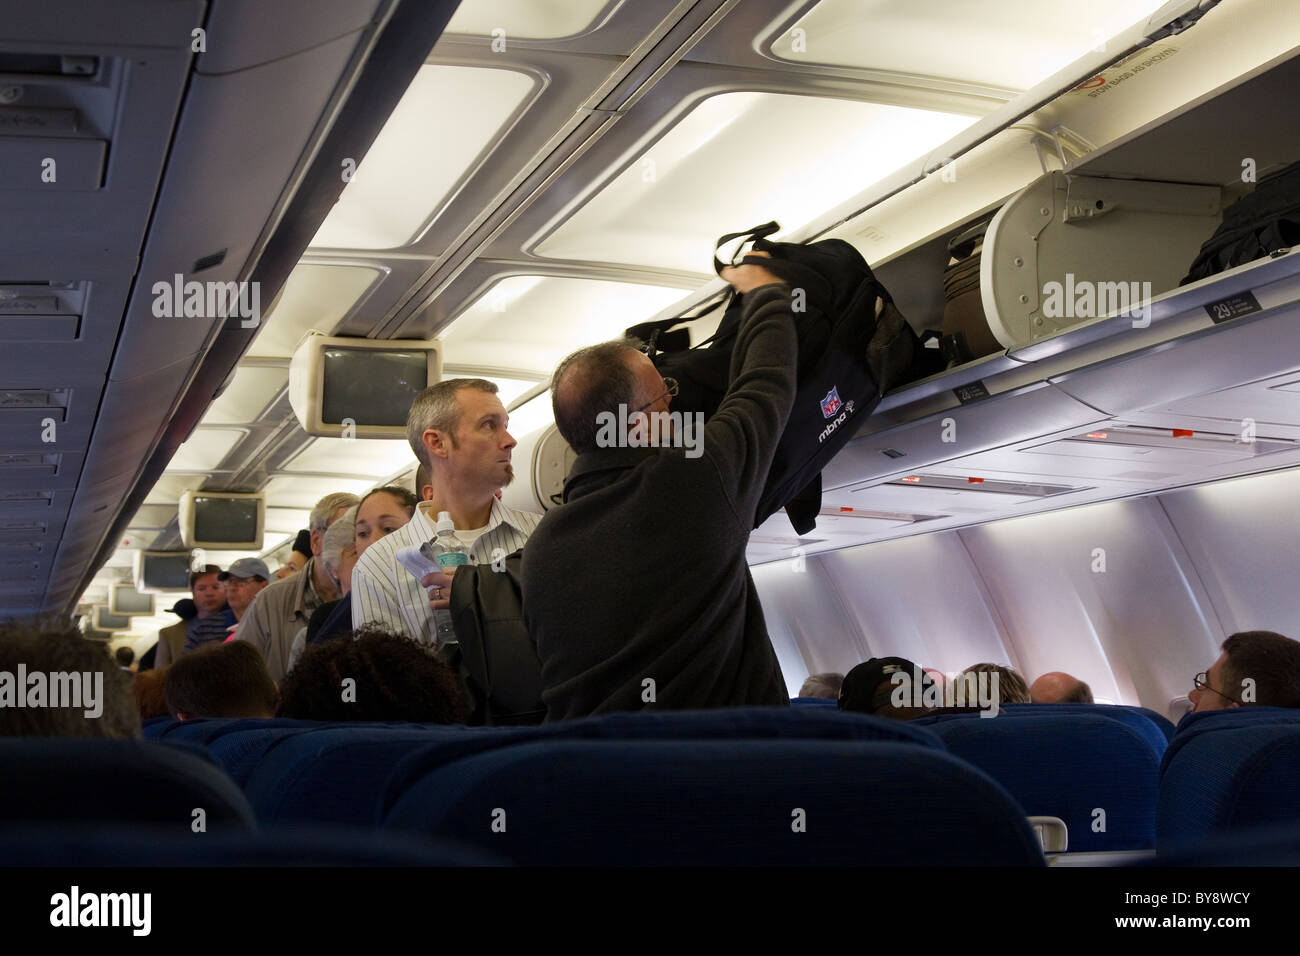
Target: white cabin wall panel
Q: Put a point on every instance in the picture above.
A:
(1241, 536)
(806, 621)
(917, 598)
(1136, 632)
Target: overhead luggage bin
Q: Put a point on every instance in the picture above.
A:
(1069, 248)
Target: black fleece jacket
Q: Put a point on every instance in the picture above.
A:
(636, 589)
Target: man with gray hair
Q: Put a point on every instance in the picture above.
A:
(457, 429)
(338, 553)
(283, 608)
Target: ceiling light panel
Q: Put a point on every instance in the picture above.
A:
(694, 184)
(527, 19)
(1008, 44)
(317, 296)
(532, 322)
(168, 489)
(205, 449)
(302, 493)
(369, 457)
(414, 166)
(244, 399)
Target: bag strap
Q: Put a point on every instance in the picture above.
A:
(758, 232)
(649, 332)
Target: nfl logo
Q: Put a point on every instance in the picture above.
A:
(831, 403)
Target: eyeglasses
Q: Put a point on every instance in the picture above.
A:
(1201, 683)
(671, 385)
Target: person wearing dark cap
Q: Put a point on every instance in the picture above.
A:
(244, 580)
(883, 687)
(212, 625)
(171, 640)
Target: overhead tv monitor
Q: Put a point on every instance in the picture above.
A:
(125, 599)
(161, 572)
(105, 620)
(223, 520)
(359, 388)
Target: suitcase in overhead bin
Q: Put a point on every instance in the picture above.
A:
(1255, 226)
(965, 330)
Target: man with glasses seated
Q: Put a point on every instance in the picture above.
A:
(1256, 667)
(636, 590)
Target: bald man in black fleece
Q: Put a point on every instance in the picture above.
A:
(636, 589)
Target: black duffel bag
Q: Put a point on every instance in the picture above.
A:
(1255, 226)
(854, 346)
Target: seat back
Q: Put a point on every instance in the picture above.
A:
(1230, 775)
(721, 802)
(1097, 774)
(116, 780)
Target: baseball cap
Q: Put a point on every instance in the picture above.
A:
(858, 693)
(246, 568)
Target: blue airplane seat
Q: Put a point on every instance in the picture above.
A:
(813, 702)
(1068, 767)
(723, 723)
(1230, 774)
(334, 775)
(1194, 723)
(721, 803)
(120, 781)
(1153, 728)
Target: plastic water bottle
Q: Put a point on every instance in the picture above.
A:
(448, 550)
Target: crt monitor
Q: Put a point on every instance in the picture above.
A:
(105, 620)
(161, 572)
(125, 599)
(359, 388)
(223, 520)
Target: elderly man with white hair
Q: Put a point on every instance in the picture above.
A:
(282, 609)
(338, 553)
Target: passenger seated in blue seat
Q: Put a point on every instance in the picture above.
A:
(825, 685)
(1011, 687)
(871, 688)
(55, 683)
(1256, 668)
(1058, 687)
(636, 589)
(372, 675)
(224, 680)
(888, 687)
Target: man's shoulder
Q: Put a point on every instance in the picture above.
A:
(525, 521)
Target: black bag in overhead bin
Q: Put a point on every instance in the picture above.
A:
(1255, 226)
(965, 330)
(854, 346)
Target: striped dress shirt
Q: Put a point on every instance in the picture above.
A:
(384, 593)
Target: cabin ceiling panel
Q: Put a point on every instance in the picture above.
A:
(414, 165)
(366, 457)
(532, 322)
(247, 396)
(318, 295)
(1002, 44)
(670, 198)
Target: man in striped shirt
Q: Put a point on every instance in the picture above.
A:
(457, 429)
